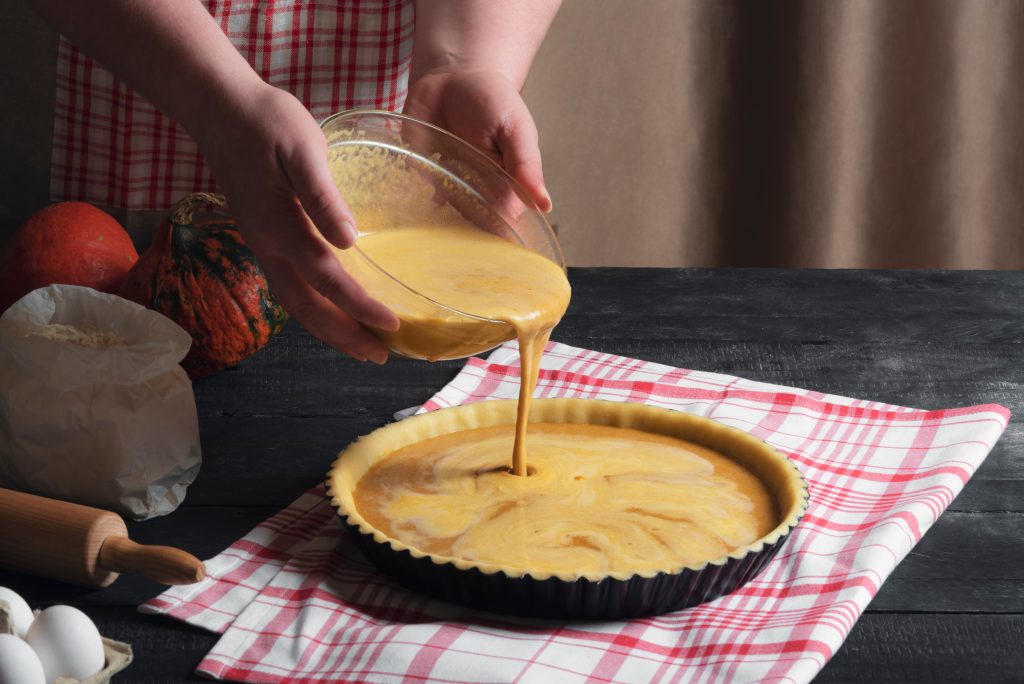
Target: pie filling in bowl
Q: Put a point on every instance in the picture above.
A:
(627, 509)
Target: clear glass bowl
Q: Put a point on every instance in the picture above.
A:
(391, 169)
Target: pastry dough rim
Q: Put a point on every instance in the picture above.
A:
(789, 489)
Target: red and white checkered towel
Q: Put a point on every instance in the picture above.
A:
(294, 601)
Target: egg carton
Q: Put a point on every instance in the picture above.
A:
(117, 653)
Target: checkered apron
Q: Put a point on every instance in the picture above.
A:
(294, 601)
(113, 148)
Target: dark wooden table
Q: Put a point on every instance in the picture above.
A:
(952, 611)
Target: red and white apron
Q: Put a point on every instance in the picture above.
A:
(113, 148)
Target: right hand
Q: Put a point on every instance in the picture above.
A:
(270, 159)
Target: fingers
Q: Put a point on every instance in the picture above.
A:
(309, 175)
(309, 281)
(321, 317)
(485, 109)
(519, 143)
(326, 276)
(318, 266)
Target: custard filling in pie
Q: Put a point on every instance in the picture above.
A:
(598, 500)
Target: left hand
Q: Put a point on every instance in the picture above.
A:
(484, 108)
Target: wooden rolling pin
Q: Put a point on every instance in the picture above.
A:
(82, 545)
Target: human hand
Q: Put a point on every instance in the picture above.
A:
(270, 159)
(265, 149)
(484, 108)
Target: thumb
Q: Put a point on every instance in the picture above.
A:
(520, 155)
(310, 177)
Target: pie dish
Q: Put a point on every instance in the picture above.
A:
(577, 591)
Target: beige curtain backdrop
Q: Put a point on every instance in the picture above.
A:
(827, 133)
(831, 133)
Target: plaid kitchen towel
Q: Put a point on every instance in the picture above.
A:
(112, 147)
(294, 601)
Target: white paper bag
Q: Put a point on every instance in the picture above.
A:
(112, 427)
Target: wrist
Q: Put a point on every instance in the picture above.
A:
(455, 35)
(217, 112)
(450, 64)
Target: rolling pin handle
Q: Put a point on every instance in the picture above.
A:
(161, 564)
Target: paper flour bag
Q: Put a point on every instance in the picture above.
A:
(94, 407)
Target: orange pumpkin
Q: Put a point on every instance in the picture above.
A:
(204, 278)
(71, 243)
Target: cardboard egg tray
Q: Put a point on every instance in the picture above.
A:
(118, 654)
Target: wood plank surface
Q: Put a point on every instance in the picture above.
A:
(953, 610)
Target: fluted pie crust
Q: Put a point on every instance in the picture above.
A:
(781, 478)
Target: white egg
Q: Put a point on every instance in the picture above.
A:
(20, 613)
(19, 664)
(67, 643)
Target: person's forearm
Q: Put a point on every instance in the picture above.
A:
(480, 34)
(173, 53)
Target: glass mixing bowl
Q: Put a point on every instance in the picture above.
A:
(392, 169)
